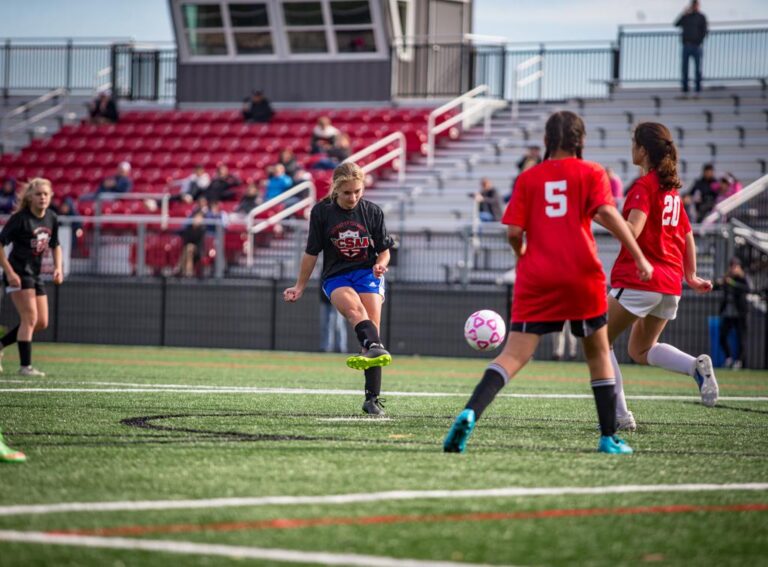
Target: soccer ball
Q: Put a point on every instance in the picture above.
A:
(485, 330)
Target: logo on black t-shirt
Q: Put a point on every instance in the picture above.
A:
(41, 236)
(347, 240)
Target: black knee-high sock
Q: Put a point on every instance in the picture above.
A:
(373, 382)
(494, 379)
(605, 398)
(10, 337)
(367, 333)
(25, 353)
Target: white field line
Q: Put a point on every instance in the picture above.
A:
(147, 388)
(353, 498)
(233, 551)
(366, 419)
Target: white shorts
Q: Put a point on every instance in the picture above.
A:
(644, 303)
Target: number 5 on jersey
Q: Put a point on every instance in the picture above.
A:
(557, 202)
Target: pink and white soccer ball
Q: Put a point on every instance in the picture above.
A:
(485, 330)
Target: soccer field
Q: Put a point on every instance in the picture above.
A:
(158, 456)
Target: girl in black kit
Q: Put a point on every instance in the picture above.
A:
(32, 229)
(351, 234)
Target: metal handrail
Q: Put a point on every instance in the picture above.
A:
(519, 83)
(23, 109)
(433, 131)
(98, 86)
(400, 152)
(165, 199)
(253, 229)
(735, 201)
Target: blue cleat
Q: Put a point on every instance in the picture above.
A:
(613, 445)
(458, 435)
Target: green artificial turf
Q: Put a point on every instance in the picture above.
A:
(173, 443)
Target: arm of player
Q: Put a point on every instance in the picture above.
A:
(382, 261)
(13, 278)
(699, 285)
(58, 270)
(305, 271)
(610, 218)
(636, 221)
(516, 240)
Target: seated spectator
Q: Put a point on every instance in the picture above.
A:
(323, 135)
(250, 200)
(532, 157)
(121, 182)
(212, 214)
(103, 109)
(277, 183)
(488, 201)
(617, 187)
(193, 186)
(68, 208)
(8, 196)
(729, 186)
(288, 160)
(704, 192)
(257, 108)
(340, 151)
(220, 187)
(193, 244)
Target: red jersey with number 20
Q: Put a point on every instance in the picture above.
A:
(560, 276)
(662, 240)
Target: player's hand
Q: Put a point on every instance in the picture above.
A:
(13, 279)
(292, 294)
(58, 277)
(699, 285)
(379, 270)
(644, 270)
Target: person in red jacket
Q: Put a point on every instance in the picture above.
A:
(559, 276)
(655, 214)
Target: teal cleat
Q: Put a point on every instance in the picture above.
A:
(458, 435)
(613, 445)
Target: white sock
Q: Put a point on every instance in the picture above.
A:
(621, 403)
(668, 357)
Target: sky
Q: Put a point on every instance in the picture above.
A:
(516, 20)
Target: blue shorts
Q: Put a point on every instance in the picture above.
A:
(362, 281)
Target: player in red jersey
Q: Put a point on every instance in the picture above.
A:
(559, 276)
(658, 220)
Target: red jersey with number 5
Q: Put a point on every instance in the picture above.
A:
(560, 276)
(662, 240)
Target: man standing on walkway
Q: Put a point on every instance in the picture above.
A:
(694, 26)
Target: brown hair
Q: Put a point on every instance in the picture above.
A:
(26, 196)
(657, 142)
(564, 131)
(347, 171)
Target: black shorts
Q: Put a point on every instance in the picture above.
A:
(579, 327)
(27, 282)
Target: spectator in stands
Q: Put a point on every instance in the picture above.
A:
(220, 187)
(257, 108)
(341, 150)
(333, 326)
(733, 311)
(250, 200)
(68, 208)
(277, 183)
(729, 186)
(8, 196)
(532, 157)
(704, 192)
(103, 109)
(323, 135)
(694, 26)
(121, 182)
(488, 201)
(192, 186)
(193, 244)
(617, 187)
(288, 160)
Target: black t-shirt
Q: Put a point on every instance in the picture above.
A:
(31, 237)
(349, 240)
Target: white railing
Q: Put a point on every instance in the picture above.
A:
(98, 82)
(164, 199)
(734, 201)
(398, 153)
(24, 110)
(433, 130)
(253, 228)
(518, 82)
